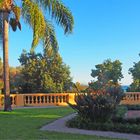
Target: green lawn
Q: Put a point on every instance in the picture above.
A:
(24, 124)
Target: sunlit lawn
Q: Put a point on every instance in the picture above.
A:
(24, 124)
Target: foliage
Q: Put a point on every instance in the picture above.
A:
(121, 126)
(126, 120)
(103, 96)
(1, 84)
(115, 91)
(1, 75)
(120, 111)
(95, 107)
(1, 68)
(108, 73)
(39, 73)
(78, 87)
(33, 13)
(135, 72)
(43, 73)
(15, 79)
(133, 107)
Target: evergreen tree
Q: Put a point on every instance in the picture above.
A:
(135, 72)
(107, 74)
(44, 73)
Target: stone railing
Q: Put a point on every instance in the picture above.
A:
(131, 98)
(39, 99)
(13, 100)
(57, 99)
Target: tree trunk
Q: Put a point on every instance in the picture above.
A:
(7, 100)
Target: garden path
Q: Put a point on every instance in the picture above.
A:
(133, 114)
(59, 126)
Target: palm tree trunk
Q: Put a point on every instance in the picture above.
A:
(7, 101)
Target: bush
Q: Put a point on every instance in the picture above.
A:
(126, 120)
(118, 126)
(133, 107)
(120, 111)
(115, 91)
(97, 108)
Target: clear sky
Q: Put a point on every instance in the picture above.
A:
(103, 29)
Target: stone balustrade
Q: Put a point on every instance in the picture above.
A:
(39, 99)
(57, 99)
(45, 99)
(13, 100)
(131, 98)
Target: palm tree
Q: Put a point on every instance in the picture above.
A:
(34, 13)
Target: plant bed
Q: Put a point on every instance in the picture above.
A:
(133, 107)
(126, 120)
(120, 125)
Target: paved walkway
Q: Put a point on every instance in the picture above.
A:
(59, 126)
(133, 114)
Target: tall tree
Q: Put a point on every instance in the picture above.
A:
(33, 12)
(107, 73)
(41, 73)
(135, 72)
(1, 75)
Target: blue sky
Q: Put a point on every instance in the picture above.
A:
(103, 29)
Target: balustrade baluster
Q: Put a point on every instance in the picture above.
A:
(64, 99)
(52, 99)
(38, 99)
(26, 99)
(56, 99)
(67, 98)
(138, 97)
(30, 98)
(34, 99)
(42, 99)
(46, 99)
(60, 98)
(15, 100)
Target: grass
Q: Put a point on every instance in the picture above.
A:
(24, 124)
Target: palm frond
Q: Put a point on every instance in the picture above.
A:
(33, 15)
(5, 5)
(17, 12)
(59, 12)
(50, 40)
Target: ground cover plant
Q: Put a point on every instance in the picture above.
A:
(25, 123)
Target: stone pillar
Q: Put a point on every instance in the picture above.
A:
(20, 100)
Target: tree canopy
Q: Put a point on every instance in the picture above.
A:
(135, 72)
(41, 73)
(34, 13)
(1, 75)
(106, 74)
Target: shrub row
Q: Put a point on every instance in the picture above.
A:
(126, 120)
(133, 107)
(108, 126)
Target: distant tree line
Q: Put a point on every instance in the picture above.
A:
(39, 73)
(46, 72)
(109, 73)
